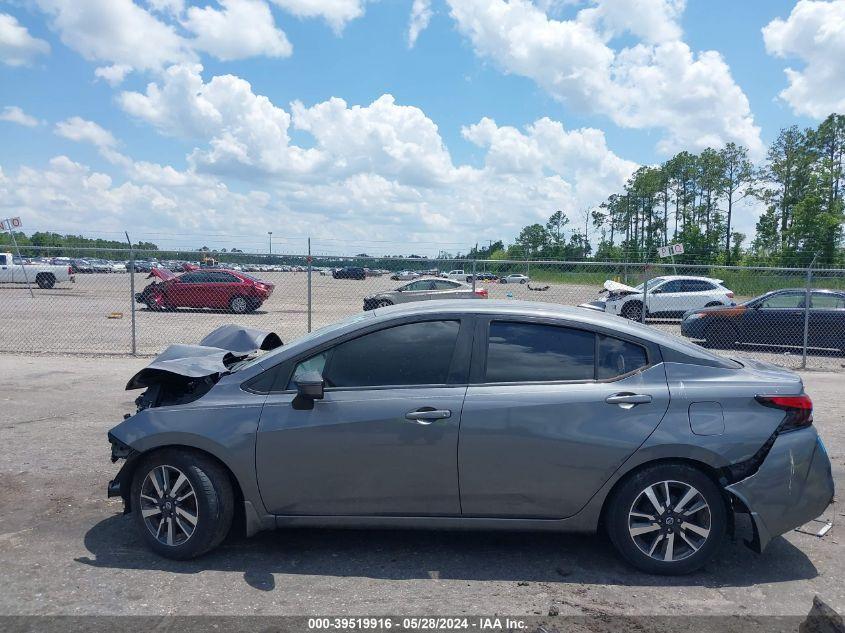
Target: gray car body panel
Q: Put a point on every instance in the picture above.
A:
(226, 422)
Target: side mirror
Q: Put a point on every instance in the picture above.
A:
(656, 291)
(309, 387)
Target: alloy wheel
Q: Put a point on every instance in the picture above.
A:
(168, 505)
(239, 305)
(669, 521)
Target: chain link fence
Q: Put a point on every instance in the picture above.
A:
(130, 301)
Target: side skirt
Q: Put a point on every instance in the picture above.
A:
(435, 523)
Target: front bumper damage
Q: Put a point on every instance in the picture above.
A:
(793, 486)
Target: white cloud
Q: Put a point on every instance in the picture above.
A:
(114, 74)
(659, 83)
(654, 21)
(115, 31)
(243, 28)
(125, 36)
(244, 131)
(82, 131)
(17, 46)
(814, 33)
(420, 17)
(336, 12)
(14, 114)
(368, 172)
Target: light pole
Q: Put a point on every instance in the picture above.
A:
(270, 235)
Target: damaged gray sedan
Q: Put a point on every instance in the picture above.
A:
(480, 415)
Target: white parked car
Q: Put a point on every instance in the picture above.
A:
(458, 275)
(669, 296)
(515, 279)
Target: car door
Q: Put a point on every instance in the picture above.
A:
(384, 439)
(182, 291)
(6, 272)
(551, 413)
(827, 320)
(776, 319)
(664, 297)
(414, 291)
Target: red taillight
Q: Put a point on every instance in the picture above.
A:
(481, 292)
(799, 410)
(730, 295)
(69, 270)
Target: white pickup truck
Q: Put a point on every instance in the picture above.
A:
(458, 275)
(42, 275)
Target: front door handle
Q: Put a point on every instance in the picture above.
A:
(628, 400)
(427, 415)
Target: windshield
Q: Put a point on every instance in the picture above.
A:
(652, 283)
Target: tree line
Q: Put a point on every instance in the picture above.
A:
(694, 199)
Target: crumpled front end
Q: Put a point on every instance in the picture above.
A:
(792, 486)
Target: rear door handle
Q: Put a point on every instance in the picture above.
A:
(428, 415)
(628, 400)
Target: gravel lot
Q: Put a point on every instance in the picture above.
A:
(66, 549)
(73, 317)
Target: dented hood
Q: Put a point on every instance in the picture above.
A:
(189, 361)
(213, 356)
(615, 286)
(161, 273)
(236, 338)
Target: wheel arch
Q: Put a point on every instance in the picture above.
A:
(707, 469)
(245, 514)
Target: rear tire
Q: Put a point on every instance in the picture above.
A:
(45, 281)
(633, 310)
(667, 538)
(239, 304)
(205, 494)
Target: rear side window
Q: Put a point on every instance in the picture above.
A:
(412, 354)
(826, 301)
(617, 357)
(532, 352)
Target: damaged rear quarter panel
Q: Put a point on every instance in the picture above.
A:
(222, 423)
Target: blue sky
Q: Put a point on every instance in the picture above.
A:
(452, 156)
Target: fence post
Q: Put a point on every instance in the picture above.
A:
(309, 284)
(807, 313)
(645, 295)
(134, 344)
(473, 275)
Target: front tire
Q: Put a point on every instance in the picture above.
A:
(633, 310)
(182, 503)
(667, 519)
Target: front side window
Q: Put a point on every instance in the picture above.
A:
(784, 300)
(617, 357)
(2, 260)
(411, 354)
(533, 352)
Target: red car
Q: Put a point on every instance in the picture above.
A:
(205, 288)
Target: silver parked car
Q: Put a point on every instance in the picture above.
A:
(424, 290)
(470, 414)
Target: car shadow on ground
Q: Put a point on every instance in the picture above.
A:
(203, 311)
(416, 554)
